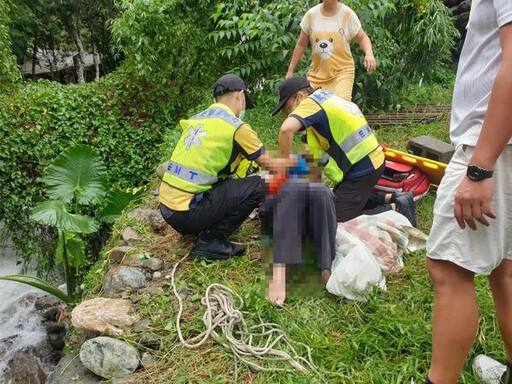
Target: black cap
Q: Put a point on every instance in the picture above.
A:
(288, 88)
(231, 83)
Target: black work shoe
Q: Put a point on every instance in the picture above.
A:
(396, 195)
(213, 248)
(405, 206)
(238, 249)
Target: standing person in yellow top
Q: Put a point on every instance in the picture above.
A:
(197, 196)
(340, 139)
(330, 27)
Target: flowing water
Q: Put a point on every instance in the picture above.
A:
(20, 324)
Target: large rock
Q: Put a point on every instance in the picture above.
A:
(117, 254)
(109, 358)
(121, 278)
(24, 369)
(111, 317)
(71, 370)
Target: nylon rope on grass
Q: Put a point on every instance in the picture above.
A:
(224, 317)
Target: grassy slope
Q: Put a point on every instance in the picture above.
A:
(386, 340)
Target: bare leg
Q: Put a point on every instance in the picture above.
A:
(501, 287)
(326, 274)
(277, 285)
(455, 319)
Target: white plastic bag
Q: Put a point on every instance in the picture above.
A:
(355, 274)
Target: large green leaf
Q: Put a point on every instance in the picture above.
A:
(75, 248)
(77, 172)
(117, 201)
(43, 285)
(54, 213)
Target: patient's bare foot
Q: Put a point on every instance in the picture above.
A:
(277, 292)
(277, 285)
(326, 275)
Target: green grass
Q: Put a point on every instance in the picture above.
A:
(385, 340)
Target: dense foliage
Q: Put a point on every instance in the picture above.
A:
(412, 40)
(8, 71)
(41, 119)
(172, 52)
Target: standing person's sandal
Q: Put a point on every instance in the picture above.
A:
(489, 370)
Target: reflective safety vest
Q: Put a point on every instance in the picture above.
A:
(348, 140)
(203, 153)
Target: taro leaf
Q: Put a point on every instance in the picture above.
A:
(117, 201)
(75, 248)
(77, 172)
(53, 213)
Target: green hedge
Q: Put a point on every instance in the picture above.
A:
(39, 120)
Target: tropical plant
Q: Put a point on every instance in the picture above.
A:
(38, 120)
(76, 178)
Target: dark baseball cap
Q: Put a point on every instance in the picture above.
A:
(288, 88)
(231, 83)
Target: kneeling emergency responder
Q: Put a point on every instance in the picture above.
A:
(339, 137)
(196, 194)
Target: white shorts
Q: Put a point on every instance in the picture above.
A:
(479, 251)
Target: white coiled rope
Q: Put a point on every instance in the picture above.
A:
(249, 344)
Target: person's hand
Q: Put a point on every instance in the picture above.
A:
(473, 202)
(370, 63)
(289, 75)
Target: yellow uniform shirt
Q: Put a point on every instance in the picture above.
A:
(246, 145)
(315, 120)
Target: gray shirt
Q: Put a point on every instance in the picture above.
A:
(478, 66)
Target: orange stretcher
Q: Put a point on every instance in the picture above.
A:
(434, 169)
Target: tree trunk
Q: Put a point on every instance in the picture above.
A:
(80, 62)
(51, 57)
(34, 52)
(96, 59)
(79, 69)
(56, 74)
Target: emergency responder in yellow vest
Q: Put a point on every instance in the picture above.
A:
(339, 137)
(197, 195)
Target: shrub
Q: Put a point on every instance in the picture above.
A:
(411, 38)
(39, 120)
(8, 68)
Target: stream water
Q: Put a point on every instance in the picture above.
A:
(20, 324)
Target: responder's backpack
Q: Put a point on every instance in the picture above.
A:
(399, 177)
